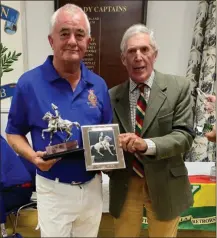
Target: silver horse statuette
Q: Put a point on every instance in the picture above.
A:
(56, 123)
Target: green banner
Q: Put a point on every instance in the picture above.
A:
(195, 218)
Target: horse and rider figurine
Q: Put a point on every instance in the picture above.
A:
(104, 144)
(56, 123)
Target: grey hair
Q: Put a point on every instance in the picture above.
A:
(136, 29)
(71, 9)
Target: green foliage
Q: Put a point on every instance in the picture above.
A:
(7, 59)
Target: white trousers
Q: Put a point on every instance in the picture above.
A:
(66, 210)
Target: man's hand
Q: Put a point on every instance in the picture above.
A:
(41, 164)
(132, 143)
(211, 136)
(211, 98)
(210, 103)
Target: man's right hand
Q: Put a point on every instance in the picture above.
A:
(41, 164)
(211, 98)
(210, 103)
(132, 143)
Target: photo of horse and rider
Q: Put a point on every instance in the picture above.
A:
(102, 146)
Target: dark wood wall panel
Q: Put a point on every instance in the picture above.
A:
(109, 20)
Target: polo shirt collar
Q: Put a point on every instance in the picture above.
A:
(52, 74)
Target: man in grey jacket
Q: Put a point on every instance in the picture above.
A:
(154, 113)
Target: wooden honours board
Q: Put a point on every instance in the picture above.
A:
(109, 20)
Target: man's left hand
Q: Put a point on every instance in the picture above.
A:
(132, 143)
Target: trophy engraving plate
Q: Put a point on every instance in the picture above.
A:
(61, 147)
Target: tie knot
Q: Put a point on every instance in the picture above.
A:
(141, 87)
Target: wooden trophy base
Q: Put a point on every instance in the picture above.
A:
(60, 150)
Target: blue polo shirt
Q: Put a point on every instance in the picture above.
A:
(36, 90)
(12, 170)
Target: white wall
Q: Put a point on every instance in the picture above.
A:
(38, 15)
(173, 24)
(4, 117)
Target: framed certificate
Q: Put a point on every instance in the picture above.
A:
(101, 148)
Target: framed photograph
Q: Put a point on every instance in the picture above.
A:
(101, 150)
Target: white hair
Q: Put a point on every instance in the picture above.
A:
(134, 30)
(71, 9)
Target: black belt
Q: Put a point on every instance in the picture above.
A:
(72, 182)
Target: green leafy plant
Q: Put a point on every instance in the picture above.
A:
(7, 59)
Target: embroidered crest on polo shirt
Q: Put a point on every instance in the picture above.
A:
(92, 98)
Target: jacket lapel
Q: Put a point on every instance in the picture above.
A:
(122, 106)
(156, 100)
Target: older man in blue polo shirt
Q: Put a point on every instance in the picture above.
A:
(69, 198)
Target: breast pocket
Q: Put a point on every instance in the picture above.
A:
(165, 123)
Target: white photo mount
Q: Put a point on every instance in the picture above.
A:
(101, 147)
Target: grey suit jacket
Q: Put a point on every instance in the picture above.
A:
(168, 122)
